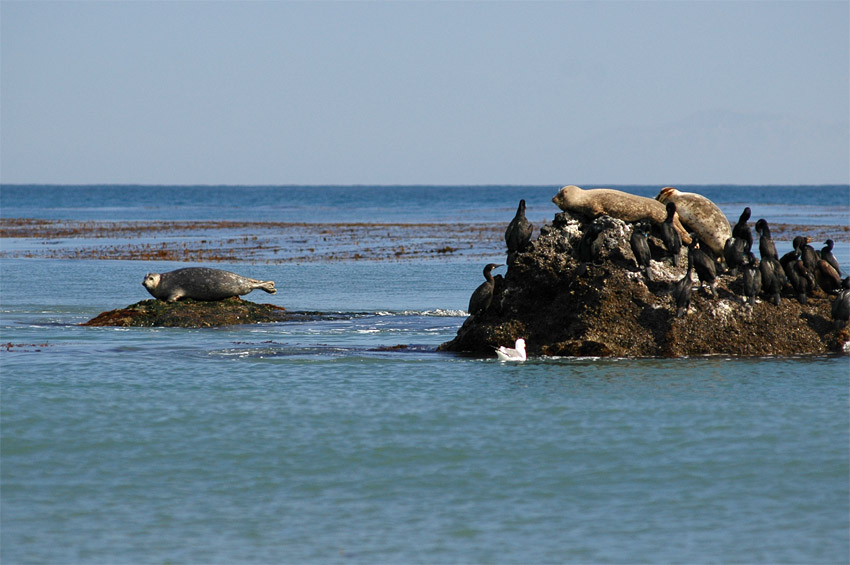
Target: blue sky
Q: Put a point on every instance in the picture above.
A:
(425, 93)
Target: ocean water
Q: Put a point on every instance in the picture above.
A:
(810, 205)
(322, 441)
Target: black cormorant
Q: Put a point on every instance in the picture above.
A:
(841, 305)
(519, 230)
(801, 280)
(683, 288)
(809, 256)
(640, 247)
(483, 295)
(703, 265)
(671, 238)
(794, 254)
(735, 253)
(826, 255)
(752, 278)
(588, 247)
(766, 246)
(772, 278)
(742, 230)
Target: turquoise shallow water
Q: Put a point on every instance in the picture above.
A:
(311, 442)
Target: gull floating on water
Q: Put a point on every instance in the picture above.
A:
(507, 354)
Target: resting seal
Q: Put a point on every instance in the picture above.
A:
(201, 283)
(615, 203)
(701, 216)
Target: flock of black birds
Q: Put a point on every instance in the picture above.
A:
(803, 269)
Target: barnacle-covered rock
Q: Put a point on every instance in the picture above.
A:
(191, 314)
(578, 291)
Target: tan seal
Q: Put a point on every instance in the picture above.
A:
(701, 216)
(617, 204)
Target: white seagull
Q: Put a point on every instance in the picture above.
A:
(507, 354)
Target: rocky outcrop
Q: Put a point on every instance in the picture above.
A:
(191, 314)
(577, 291)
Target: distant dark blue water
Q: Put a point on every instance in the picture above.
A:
(779, 204)
(318, 442)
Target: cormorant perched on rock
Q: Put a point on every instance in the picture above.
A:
(640, 247)
(809, 256)
(519, 230)
(752, 278)
(766, 246)
(742, 231)
(841, 305)
(735, 253)
(671, 238)
(799, 277)
(683, 288)
(703, 265)
(826, 277)
(797, 243)
(805, 271)
(772, 278)
(483, 295)
(588, 247)
(826, 255)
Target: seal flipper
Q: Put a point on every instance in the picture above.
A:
(267, 286)
(175, 296)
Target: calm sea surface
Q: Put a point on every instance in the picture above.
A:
(317, 442)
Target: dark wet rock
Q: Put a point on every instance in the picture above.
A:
(191, 314)
(565, 301)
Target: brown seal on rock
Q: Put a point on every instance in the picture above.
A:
(701, 216)
(201, 283)
(615, 203)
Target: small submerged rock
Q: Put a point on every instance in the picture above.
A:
(190, 313)
(578, 291)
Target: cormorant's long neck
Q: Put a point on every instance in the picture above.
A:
(488, 276)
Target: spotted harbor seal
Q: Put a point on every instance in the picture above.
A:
(201, 283)
(701, 216)
(616, 203)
